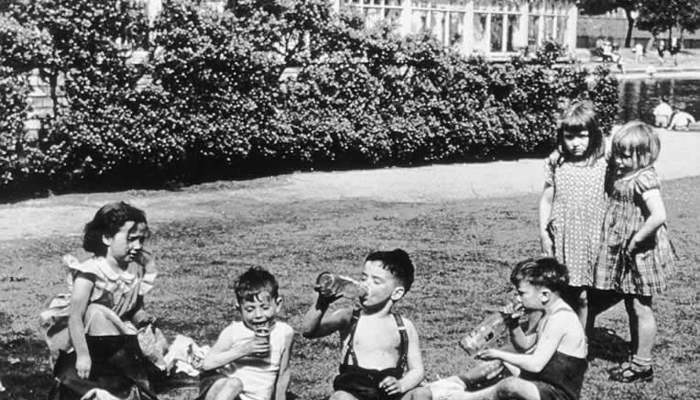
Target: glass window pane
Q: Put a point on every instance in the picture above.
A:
(513, 27)
(561, 29)
(456, 29)
(497, 32)
(549, 28)
(533, 28)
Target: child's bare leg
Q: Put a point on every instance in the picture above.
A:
(341, 395)
(510, 388)
(225, 389)
(102, 321)
(419, 393)
(582, 309)
(634, 324)
(646, 326)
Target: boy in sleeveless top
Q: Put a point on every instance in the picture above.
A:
(382, 358)
(554, 368)
(250, 360)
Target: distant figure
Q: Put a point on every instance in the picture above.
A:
(662, 113)
(661, 49)
(681, 120)
(674, 50)
(638, 53)
(651, 71)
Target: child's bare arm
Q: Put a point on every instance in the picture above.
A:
(225, 350)
(657, 217)
(547, 343)
(416, 371)
(284, 372)
(545, 211)
(524, 339)
(317, 323)
(80, 297)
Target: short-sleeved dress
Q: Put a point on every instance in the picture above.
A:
(118, 367)
(577, 214)
(644, 273)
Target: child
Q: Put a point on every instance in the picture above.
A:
(572, 204)
(523, 336)
(382, 355)
(92, 330)
(554, 369)
(250, 360)
(636, 254)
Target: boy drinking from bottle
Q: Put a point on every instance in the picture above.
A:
(382, 359)
(250, 360)
(554, 368)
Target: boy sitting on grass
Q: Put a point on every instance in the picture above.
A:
(250, 360)
(554, 368)
(382, 355)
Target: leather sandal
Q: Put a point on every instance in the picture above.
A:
(632, 373)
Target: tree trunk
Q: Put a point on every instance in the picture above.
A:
(630, 26)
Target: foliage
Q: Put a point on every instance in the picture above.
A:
(657, 16)
(210, 102)
(598, 7)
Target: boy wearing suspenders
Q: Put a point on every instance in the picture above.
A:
(382, 359)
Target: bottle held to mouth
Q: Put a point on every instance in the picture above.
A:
(333, 285)
(485, 333)
(262, 335)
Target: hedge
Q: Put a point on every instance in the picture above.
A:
(210, 103)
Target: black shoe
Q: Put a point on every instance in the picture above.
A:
(633, 373)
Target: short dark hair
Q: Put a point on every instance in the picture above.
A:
(253, 282)
(398, 263)
(544, 271)
(107, 222)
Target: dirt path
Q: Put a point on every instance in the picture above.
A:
(65, 214)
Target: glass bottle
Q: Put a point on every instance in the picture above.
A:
(484, 334)
(334, 285)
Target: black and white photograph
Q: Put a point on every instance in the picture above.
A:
(349, 199)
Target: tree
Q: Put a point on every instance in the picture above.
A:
(597, 7)
(657, 16)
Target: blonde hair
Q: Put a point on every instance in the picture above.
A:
(641, 139)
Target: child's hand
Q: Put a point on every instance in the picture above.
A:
(511, 314)
(251, 346)
(83, 364)
(487, 354)
(632, 247)
(390, 385)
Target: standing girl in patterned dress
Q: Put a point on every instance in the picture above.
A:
(636, 253)
(573, 200)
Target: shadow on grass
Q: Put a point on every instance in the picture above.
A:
(24, 366)
(605, 344)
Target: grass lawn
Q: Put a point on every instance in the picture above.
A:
(463, 252)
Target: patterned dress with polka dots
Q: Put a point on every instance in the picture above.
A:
(578, 209)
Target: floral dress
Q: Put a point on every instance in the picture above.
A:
(577, 214)
(644, 273)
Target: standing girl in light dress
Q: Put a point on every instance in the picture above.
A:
(636, 254)
(572, 204)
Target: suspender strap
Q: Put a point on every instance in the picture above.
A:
(403, 346)
(351, 338)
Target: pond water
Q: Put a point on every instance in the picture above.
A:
(638, 97)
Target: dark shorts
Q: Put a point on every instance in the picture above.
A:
(118, 366)
(364, 383)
